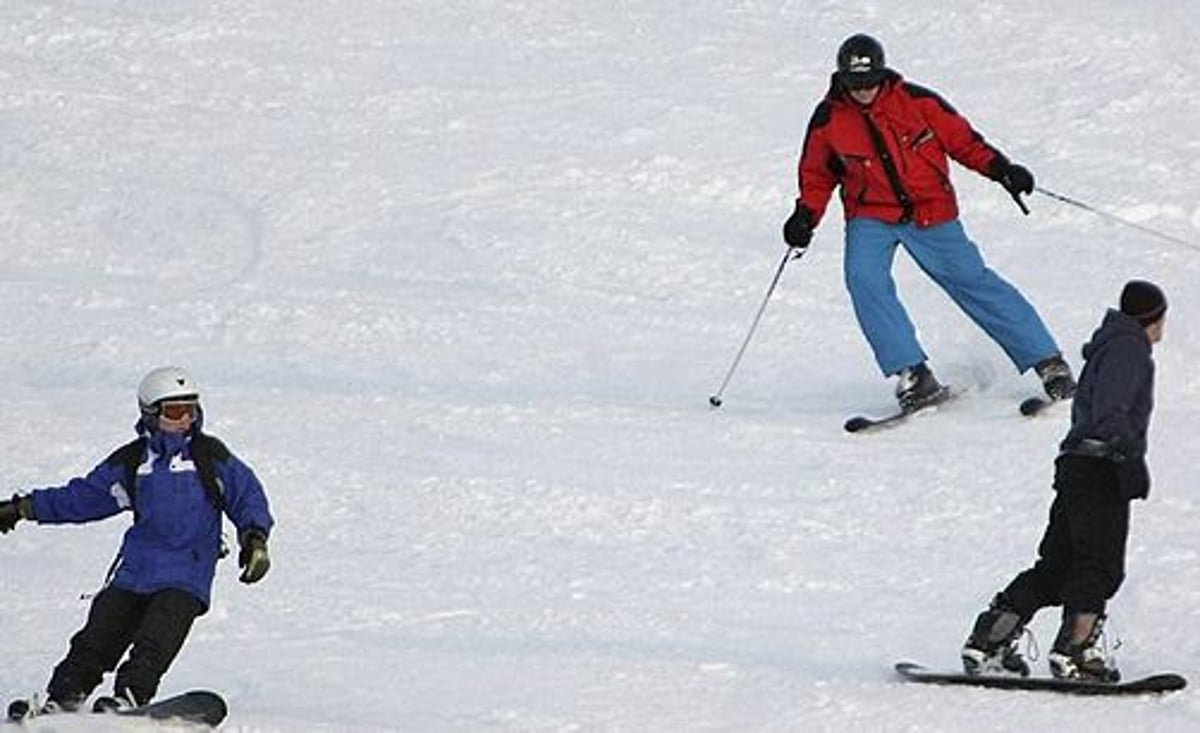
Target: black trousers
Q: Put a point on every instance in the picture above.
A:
(152, 626)
(1081, 558)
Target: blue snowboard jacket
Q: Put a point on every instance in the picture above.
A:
(175, 538)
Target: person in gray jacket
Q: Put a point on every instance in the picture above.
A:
(1100, 468)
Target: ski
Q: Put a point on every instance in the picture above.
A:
(866, 423)
(1034, 406)
(1152, 684)
(195, 706)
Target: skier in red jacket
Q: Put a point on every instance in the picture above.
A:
(885, 143)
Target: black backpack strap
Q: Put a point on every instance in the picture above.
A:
(129, 457)
(206, 452)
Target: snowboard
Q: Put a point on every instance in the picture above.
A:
(867, 423)
(1153, 684)
(195, 706)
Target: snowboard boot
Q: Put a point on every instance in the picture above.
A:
(1056, 378)
(992, 648)
(63, 703)
(19, 710)
(23, 709)
(113, 703)
(917, 387)
(1079, 652)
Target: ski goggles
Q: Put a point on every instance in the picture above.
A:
(857, 81)
(176, 410)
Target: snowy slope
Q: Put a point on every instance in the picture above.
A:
(459, 278)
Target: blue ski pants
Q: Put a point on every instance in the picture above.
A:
(946, 255)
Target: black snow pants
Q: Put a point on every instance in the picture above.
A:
(152, 626)
(1081, 558)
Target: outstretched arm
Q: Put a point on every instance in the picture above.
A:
(97, 495)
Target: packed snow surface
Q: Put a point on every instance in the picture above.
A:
(458, 279)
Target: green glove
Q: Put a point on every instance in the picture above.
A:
(253, 557)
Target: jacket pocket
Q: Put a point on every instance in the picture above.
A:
(1133, 478)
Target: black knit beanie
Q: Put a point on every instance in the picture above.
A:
(1143, 301)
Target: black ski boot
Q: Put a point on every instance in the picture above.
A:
(992, 647)
(916, 387)
(1079, 652)
(1056, 378)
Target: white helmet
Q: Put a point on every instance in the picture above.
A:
(165, 383)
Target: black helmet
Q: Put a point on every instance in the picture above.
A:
(860, 62)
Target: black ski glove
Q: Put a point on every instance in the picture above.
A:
(1016, 179)
(253, 557)
(13, 511)
(798, 229)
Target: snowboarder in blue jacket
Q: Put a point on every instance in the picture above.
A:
(178, 482)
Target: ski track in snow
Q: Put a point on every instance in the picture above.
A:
(459, 279)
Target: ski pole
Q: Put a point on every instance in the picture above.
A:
(715, 400)
(1016, 195)
(1114, 217)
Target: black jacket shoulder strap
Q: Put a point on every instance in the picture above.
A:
(207, 451)
(889, 169)
(129, 457)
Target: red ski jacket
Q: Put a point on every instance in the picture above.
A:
(917, 129)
